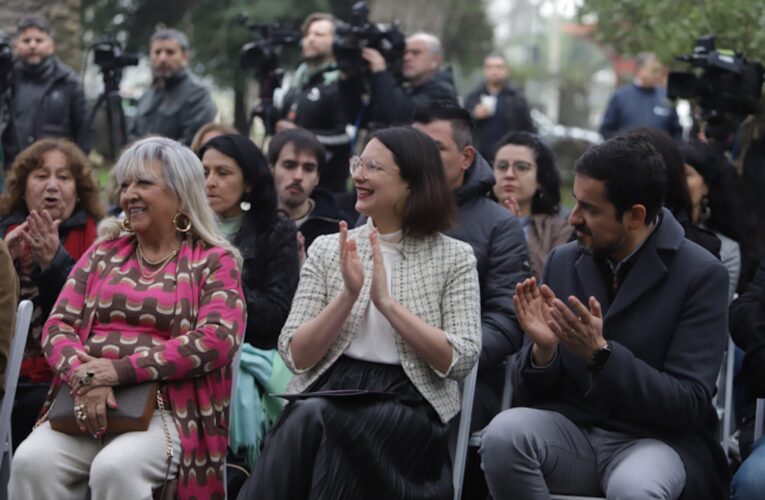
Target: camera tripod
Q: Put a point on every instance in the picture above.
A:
(115, 116)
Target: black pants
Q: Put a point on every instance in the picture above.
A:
(387, 443)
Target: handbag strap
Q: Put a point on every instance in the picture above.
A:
(168, 441)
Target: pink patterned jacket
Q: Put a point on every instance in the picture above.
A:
(182, 326)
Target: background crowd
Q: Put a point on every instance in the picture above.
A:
(391, 236)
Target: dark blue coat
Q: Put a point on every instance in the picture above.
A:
(667, 327)
(632, 106)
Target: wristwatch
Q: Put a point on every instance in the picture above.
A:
(600, 357)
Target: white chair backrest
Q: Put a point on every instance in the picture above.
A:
(15, 355)
(463, 432)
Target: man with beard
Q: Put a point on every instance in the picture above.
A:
(48, 100)
(176, 106)
(297, 159)
(312, 101)
(625, 339)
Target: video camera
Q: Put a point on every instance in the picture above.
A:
(108, 54)
(6, 56)
(728, 83)
(351, 37)
(263, 54)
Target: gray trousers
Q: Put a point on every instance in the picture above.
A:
(527, 453)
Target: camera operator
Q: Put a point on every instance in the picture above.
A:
(391, 102)
(312, 101)
(48, 99)
(175, 106)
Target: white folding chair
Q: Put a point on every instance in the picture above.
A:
(458, 445)
(759, 416)
(507, 397)
(15, 354)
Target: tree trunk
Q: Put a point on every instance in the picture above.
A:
(64, 17)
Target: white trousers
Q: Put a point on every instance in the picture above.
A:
(56, 466)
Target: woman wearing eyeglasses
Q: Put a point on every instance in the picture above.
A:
(385, 322)
(528, 184)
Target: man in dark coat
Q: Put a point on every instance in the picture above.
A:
(175, 106)
(297, 160)
(497, 106)
(48, 99)
(497, 240)
(313, 102)
(617, 385)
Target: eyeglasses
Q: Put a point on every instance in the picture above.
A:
(520, 168)
(370, 167)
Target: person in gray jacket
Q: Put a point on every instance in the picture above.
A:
(48, 99)
(497, 240)
(176, 106)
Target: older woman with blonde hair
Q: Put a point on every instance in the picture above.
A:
(156, 299)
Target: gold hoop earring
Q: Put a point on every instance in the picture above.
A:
(125, 223)
(184, 229)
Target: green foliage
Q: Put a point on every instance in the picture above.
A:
(468, 36)
(670, 27)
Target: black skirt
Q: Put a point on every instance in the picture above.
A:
(363, 430)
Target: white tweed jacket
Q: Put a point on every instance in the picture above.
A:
(436, 280)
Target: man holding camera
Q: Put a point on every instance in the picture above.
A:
(175, 106)
(312, 101)
(425, 81)
(48, 100)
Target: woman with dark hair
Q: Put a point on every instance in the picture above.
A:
(385, 322)
(49, 213)
(528, 184)
(241, 192)
(718, 206)
(677, 198)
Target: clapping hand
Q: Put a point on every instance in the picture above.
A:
(532, 310)
(42, 237)
(581, 331)
(512, 205)
(350, 265)
(379, 290)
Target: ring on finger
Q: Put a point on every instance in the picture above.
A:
(87, 379)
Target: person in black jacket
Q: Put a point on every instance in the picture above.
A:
(48, 98)
(241, 192)
(747, 328)
(497, 106)
(498, 242)
(297, 160)
(175, 106)
(313, 102)
(392, 102)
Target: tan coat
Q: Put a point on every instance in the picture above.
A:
(9, 298)
(547, 232)
(436, 280)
